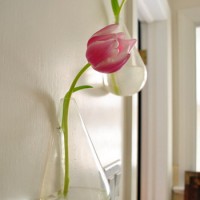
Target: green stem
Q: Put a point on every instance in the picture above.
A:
(65, 125)
(114, 84)
(122, 4)
(117, 16)
(117, 19)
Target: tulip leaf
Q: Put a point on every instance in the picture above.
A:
(81, 87)
(115, 7)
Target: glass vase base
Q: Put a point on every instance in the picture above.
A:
(87, 179)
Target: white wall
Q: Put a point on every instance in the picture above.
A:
(42, 47)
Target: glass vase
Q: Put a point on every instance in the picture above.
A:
(87, 178)
(131, 78)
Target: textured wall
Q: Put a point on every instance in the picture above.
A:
(42, 47)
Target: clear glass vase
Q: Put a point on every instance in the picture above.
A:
(131, 78)
(87, 178)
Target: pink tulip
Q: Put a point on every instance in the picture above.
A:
(108, 49)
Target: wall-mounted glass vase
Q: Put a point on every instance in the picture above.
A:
(131, 78)
(87, 178)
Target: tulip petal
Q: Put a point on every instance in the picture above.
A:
(106, 37)
(121, 35)
(108, 50)
(101, 50)
(100, 38)
(112, 28)
(111, 65)
(126, 45)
